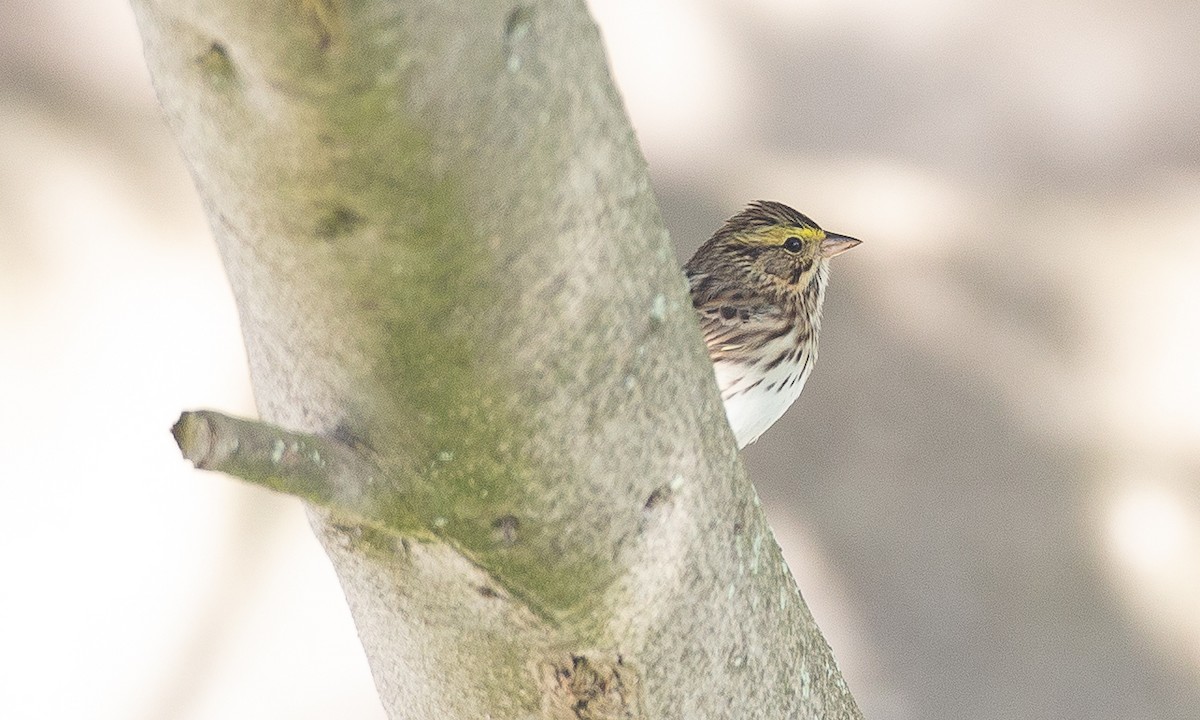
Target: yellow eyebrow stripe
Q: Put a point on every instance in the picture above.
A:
(779, 234)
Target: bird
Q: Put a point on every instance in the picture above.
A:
(758, 285)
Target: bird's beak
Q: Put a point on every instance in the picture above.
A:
(835, 244)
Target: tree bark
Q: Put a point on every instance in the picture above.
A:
(474, 355)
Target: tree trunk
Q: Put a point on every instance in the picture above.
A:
(458, 298)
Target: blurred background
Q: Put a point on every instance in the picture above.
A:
(988, 491)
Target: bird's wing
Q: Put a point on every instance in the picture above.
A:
(732, 320)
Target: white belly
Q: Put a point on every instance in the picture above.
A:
(755, 399)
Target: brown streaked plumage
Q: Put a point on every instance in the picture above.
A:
(758, 285)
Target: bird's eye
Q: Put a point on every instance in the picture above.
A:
(792, 244)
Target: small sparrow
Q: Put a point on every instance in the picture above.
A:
(758, 285)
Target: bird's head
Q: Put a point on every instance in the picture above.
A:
(775, 244)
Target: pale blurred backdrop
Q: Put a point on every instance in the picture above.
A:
(989, 490)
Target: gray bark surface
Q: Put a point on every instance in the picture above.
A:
(458, 298)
